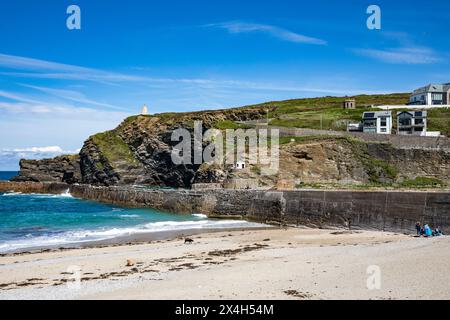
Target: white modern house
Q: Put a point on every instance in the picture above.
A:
(379, 122)
(412, 122)
(427, 97)
(431, 95)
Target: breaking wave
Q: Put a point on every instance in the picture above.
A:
(85, 236)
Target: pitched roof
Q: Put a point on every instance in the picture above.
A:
(433, 87)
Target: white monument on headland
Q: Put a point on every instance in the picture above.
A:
(144, 110)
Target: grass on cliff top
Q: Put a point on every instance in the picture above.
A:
(330, 105)
(324, 113)
(228, 124)
(113, 147)
(327, 113)
(319, 138)
(439, 120)
(294, 105)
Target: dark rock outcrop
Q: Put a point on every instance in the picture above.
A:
(60, 169)
(139, 151)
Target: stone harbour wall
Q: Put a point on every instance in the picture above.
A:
(379, 210)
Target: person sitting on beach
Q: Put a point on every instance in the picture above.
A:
(428, 232)
(437, 232)
(418, 229)
(422, 232)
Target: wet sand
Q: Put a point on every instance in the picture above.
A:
(295, 263)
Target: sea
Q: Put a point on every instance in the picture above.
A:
(38, 221)
(6, 175)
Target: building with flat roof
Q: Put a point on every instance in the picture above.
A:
(432, 94)
(379, 122)
(413, 122)
(349, 104)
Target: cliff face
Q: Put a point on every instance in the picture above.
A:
(139, 152)
(350, 161)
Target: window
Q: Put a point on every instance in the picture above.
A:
(436, 98)
(383, 130)
(404, 119)
(383, 122)
(370, 123)
(418, 121)
(405, 130)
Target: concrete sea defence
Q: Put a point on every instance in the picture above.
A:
(380, 210)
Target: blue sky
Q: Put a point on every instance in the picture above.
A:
(58, 86)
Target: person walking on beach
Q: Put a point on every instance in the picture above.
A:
(418, 229)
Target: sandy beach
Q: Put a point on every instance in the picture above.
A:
(247, 264)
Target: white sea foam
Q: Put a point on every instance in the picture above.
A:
(199, 215)
(65, 194)
(84, 236)
(129, 216)
(11, 194)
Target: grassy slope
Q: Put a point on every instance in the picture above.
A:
(327, 113)
(113, 148)
(324, 113)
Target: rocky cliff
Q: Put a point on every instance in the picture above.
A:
(139, 152)
(60, 169)
(136, 152)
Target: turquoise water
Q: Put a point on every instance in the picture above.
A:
(6, 175)
(38, 220)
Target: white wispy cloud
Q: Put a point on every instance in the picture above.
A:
(191, 93)
(22, 104)
(35, 153)
(50, 149)
(99, 75)
(54, 70)
(277, 32)
(72, 95)
(406, 55)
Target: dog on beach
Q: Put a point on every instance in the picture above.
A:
(188, 241)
